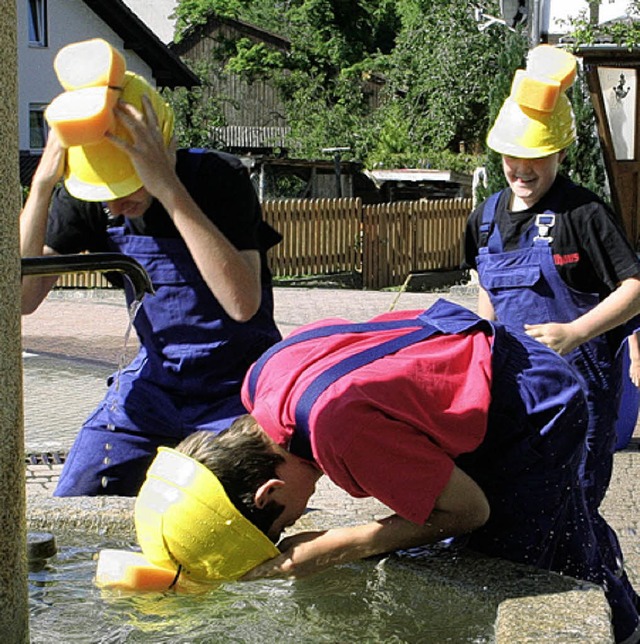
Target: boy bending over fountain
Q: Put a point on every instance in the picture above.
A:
(459, 426)
(193, 220)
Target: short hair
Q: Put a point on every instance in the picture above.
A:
(242, 458)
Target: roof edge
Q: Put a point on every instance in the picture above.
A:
(167, 67)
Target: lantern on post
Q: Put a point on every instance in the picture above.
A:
(612, 75)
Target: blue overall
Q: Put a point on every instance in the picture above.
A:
(528, 464)
(186, 377)
(525, 288)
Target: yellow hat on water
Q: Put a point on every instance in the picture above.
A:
(93, 74)
(185, 519)
(536, 120)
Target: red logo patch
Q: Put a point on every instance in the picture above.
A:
(561, 260)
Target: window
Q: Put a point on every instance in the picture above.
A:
(37, 126)
(38, 23)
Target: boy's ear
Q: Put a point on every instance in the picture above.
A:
(265, 492)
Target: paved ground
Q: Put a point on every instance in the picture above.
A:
(75, 339)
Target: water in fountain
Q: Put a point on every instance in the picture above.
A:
(392, 599)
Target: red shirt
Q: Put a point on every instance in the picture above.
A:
(390, 429)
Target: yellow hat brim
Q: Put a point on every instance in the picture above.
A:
(529, 134)
(184, 518)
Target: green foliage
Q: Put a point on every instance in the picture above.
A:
(582, 30)
(191, 13)
(443, 65)
(444, 81)
(254, 60)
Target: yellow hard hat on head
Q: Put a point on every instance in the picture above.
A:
(93, 73)
(529, 134)
(536, 119)
(185, 520)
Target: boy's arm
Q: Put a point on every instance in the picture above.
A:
(33, 221)
(460, 508)
(485, 308)
(616, 309)
(233, 276)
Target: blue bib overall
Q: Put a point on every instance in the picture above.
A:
(525, 287)
(528, 464)
(186, 377)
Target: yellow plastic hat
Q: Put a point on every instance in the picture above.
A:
(103, 172)
(94, 74)
(529, 134)
(536, 120)
(184, 518)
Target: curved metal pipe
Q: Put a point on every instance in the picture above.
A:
(98, 262)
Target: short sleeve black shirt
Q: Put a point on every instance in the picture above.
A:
(591, 250)
(219, 183)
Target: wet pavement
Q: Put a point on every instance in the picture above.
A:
(76, 339)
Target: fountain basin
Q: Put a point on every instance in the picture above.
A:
(436, 597)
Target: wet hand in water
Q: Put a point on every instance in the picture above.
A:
(300, 557)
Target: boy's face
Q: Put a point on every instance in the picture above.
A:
(530, 179)
(295, 486)
(131, 206)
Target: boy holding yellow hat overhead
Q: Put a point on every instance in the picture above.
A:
(552, 260)
(193, 220)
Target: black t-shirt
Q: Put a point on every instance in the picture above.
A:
(590, 249)
(218, 182)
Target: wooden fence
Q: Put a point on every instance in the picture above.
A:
(384, 242)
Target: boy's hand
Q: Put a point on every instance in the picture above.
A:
(52, 163)
(554, 335)
(152, 160)
(634, 372)
(299, 558)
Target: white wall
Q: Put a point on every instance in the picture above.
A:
(68, 21)
(156, 15)
(553, 12)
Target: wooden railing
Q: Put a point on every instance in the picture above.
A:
(320, 236)
(384, 242)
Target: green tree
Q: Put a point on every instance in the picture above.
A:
(321, 79)
(445, 79)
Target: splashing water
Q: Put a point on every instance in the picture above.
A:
(122, 362)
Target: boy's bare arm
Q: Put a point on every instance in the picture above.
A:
(460, 508)
(616, 309)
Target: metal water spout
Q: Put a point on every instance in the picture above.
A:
(94, 262)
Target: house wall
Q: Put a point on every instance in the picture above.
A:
(156, 14)
(68, 21)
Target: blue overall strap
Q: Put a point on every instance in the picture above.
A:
(323, 332)
(488, 216)
(340, 369)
